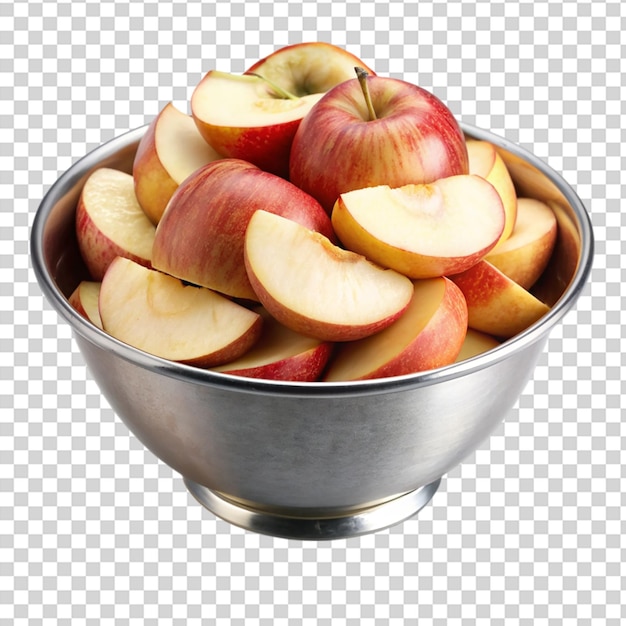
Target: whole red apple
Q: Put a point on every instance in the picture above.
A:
(403, 135)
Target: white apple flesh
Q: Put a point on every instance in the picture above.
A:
(424, 230)
(243, 117)
(525, 254)
(111, 223)
(476, 343)
(158, 314)
(85, 300)
(308, 67)
(316, 288)
(243, 101)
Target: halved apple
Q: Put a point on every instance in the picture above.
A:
(281, 354)
(525, 254)
(485, 161)
(316, 288)
(308, 67)
(496, 304)
(476, 343)
(160, 315)
(171, 150)
(429, 334)
(244, 117)
(200, 237)
(85, 300)
(424, 230)
(255, 116)
(111, 223)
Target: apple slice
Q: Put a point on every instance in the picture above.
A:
(525, 254)
(424, 230)
(281, 354)
(496, 304)
(160, 315)
(171, 150)
(485, 161)
(200, 237)
(316, 288)
(530, 182)
(255, 116)
(244, 117)
(85, 300)
(111, 223)
(564, 259)
(476, 343)
(429, 334)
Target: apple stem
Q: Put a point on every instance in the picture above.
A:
(362, 75)
(280, 92)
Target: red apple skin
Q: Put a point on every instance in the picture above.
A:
(200, 237)
(496, 304)
(280, 354)
(436, 345)
(415, 139)
(305, 367)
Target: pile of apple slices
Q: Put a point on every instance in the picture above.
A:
(307, 224)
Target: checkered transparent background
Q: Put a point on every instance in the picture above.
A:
(95, 530)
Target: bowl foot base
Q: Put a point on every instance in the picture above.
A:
(290, 526)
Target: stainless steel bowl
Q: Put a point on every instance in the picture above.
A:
(311, 460)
